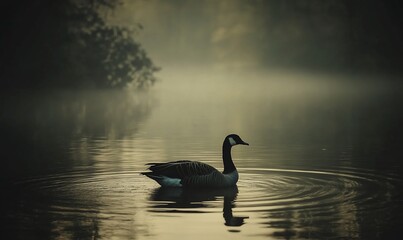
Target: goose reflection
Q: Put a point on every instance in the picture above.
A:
(176, 199)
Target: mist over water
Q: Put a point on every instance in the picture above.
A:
(321, 113)
(323, 160)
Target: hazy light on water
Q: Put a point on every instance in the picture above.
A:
(99, 142)
(259, 100)
(323, 154)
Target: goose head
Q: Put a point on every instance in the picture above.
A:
(234, 139)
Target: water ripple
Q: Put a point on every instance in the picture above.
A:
(275, 198)
(260, 189)
(285, 189)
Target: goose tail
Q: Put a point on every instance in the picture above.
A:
(163, 180)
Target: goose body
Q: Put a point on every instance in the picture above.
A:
(195, 174)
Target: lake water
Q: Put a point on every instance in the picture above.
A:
(324, 159)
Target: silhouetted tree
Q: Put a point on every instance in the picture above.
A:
(68, 43)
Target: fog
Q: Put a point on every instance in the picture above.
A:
(313, 86)
(234, 35)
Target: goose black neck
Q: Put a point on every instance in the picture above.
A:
(226, 157)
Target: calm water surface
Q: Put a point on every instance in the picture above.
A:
(324, 160)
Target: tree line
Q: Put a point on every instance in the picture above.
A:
(68, 43)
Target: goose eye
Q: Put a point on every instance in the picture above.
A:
(232, 141)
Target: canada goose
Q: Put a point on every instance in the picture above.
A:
(186, 173)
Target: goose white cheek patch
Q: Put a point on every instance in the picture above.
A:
(232, 141)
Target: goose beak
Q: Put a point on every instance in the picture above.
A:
(244, 143)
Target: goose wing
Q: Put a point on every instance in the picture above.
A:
(181, 169)
(213, 179)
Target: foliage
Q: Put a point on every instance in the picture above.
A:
(68, 43)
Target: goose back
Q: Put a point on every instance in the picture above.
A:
(181, 169)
